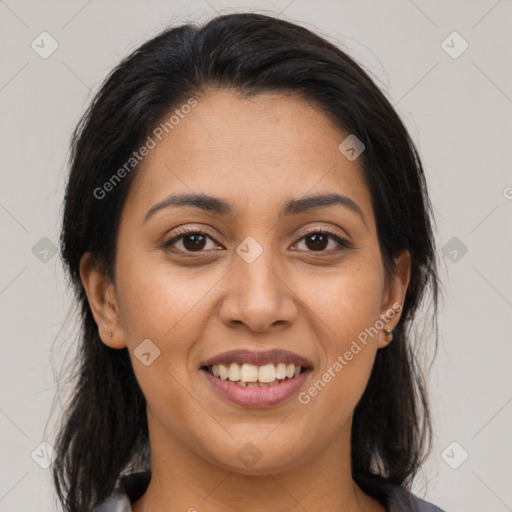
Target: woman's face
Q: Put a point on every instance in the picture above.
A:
(257, 275)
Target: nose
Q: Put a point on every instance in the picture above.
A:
(258, 296)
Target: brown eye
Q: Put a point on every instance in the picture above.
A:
(189, 241)
(194, 242)
(318, 241)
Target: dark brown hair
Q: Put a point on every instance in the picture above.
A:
(103, 433)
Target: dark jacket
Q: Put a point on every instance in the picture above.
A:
(132, 487)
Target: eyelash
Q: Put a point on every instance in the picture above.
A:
(344, 244)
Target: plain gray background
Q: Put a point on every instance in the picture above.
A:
(457, 109)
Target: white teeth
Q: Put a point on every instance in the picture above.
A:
(267, 373)
(234, 372)
(281, 371)
(252, 375)
(223, 371)
(248, 373)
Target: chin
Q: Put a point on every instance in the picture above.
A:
(259, 457)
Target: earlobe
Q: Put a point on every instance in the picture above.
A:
(102, 301)
(394, 297)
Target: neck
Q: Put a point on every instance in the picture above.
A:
(181, 480)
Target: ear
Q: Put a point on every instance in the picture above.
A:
(394, 296)
(102, 301)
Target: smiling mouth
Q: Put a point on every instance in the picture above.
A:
(250, 375)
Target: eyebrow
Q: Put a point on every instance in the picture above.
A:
(221, 207)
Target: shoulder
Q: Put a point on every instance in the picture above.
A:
(130, 488)
(118, 501)
(400, 499)
(395, 498)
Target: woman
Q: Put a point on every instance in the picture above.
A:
(248, 230)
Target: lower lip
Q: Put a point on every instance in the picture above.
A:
(257, 396)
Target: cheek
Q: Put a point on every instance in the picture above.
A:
(347, 301)
(346, 306)
(158, 302)
(167, 307)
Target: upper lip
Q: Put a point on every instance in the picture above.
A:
(242, 356)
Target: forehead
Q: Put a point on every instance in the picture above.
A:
(261, 150)
(271, 127)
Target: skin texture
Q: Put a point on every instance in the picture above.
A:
(256, 153)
